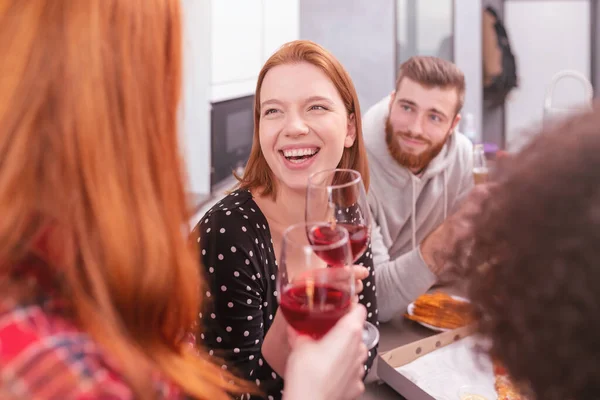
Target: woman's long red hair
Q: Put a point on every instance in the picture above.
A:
(88, 146)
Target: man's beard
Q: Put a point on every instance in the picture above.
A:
(414, 162)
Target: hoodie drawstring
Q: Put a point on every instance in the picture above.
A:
(414, 211)
(445, 195)
(414, 206)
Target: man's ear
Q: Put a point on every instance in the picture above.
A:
(455, 123)
(351, 131)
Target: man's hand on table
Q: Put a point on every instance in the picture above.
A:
(457, 227)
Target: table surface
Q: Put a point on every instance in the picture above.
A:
(397, 332)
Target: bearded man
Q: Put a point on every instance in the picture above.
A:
(421, 170)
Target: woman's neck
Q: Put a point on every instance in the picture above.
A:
(287, 209)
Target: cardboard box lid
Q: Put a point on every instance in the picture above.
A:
(389, 361)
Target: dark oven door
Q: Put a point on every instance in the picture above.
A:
(232, 129)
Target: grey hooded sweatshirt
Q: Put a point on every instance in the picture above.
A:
(406, 208)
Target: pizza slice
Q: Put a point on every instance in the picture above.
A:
(504, 387)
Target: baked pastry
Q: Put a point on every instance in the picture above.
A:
(441, 311)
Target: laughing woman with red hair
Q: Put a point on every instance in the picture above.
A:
(305, 102)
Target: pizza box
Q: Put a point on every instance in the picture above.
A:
(389, 362)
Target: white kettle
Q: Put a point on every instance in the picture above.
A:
(551, 112)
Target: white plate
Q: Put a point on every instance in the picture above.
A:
(411, 307)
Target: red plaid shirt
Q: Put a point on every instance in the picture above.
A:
(43, 355)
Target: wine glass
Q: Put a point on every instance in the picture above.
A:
(480, 168)
(338, 197)
(313, 297)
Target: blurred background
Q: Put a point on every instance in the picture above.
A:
(227, 42)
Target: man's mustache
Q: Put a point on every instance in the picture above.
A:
(413, 136)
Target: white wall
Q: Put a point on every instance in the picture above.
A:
(195, 107)
(361, 35)
(467, 54)
(424, 28)
(547, 37)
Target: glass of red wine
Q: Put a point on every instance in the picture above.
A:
(313, 297)
(338, 198)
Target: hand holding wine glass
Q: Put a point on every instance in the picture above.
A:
(329, 368)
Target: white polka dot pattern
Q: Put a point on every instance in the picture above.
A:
(237, 250)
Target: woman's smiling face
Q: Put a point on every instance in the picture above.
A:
(304, 126)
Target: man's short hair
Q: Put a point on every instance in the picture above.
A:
(433, 72)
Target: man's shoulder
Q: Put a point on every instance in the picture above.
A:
(463, 143)
(464, 151)
(373, 120)
(461, 173)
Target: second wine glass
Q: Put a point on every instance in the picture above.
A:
(338, 197)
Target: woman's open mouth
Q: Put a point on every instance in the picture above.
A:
(299, 156)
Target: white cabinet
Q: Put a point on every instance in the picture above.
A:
(244, 33)
(281, 24)
(236, 44)
(225, 43)
(236, 30)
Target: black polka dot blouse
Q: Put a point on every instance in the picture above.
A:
(240, 269)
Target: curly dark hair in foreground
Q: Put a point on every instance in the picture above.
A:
(534, 265)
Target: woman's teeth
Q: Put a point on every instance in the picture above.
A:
(299, 152)
(299, 155)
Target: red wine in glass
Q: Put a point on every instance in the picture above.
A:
(313, 297)
(322, 237)
(313, 308)
(359, 236)
(326, 235)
